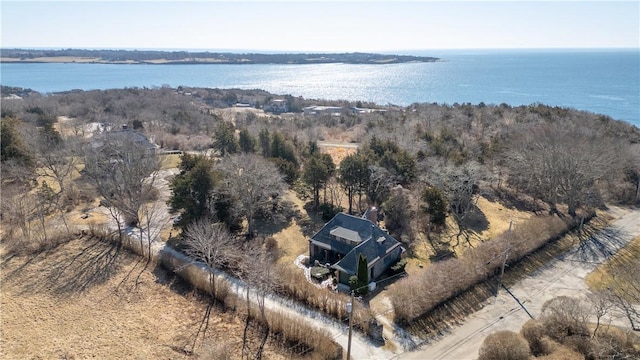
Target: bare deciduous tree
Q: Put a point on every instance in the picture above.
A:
(253, 183)
(260, 275)
(57, 160)
(560, 166)
(212, 244)
(124, 172)
(625, 291)
(565, 316)
(18, 208)
(381, 181)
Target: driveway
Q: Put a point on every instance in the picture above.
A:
(564, 275)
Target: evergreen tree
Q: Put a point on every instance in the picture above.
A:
(316, 173)
(265, 143)
(192, 189)
(246, 141)
(224, 138)
(435, 205)
(284, 156)
(363, 275)
(354, 176)
(12, 145)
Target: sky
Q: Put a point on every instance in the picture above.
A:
(319, 26)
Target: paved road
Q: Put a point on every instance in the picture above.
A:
(334, 144)
(562, 276)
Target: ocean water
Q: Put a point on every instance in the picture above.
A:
(600, 81)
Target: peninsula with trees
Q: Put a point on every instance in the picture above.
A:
(202, 57)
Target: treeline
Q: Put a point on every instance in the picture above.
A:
(534, 157)
(216, 57)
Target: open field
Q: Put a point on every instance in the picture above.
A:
(603, 276)
(89, 299)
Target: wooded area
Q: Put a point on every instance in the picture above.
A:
(425, 166)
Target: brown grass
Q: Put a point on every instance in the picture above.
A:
(170, 161)
(337, 153)
(89, 299)
(601, 277)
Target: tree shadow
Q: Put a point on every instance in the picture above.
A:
(514, 200)
(597, 244)
(470, 225)
(65, 275)
(474, 220)
(276, 219)
(311, 221)
(8, 276)
(439, 321)
(171, 280)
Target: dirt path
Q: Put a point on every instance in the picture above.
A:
(563, 276)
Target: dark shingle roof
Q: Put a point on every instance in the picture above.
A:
(373, 249)
(126, 136)
(374, 244)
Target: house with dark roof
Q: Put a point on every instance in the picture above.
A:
(345, 237)
(123, 136)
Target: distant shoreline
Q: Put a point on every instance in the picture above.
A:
(78, 56)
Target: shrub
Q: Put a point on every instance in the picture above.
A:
(563, 317)
(533, 331)
(398, 267)
(560, 352)
(413, 297)
(354, 283)
(283, 327)
(504, 345)
(291, 331)
(294, 285)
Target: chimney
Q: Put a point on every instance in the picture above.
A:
(373, 215)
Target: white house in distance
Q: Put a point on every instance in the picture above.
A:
(276, 106)
(337, 110)
(323, 110)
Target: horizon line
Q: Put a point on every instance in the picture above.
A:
(282, 51)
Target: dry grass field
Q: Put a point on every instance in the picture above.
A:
(88, 299)
(602, 276)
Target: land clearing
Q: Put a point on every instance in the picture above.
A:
(89, 299)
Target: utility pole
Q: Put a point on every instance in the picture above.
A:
(350, 311)
(506, 256)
